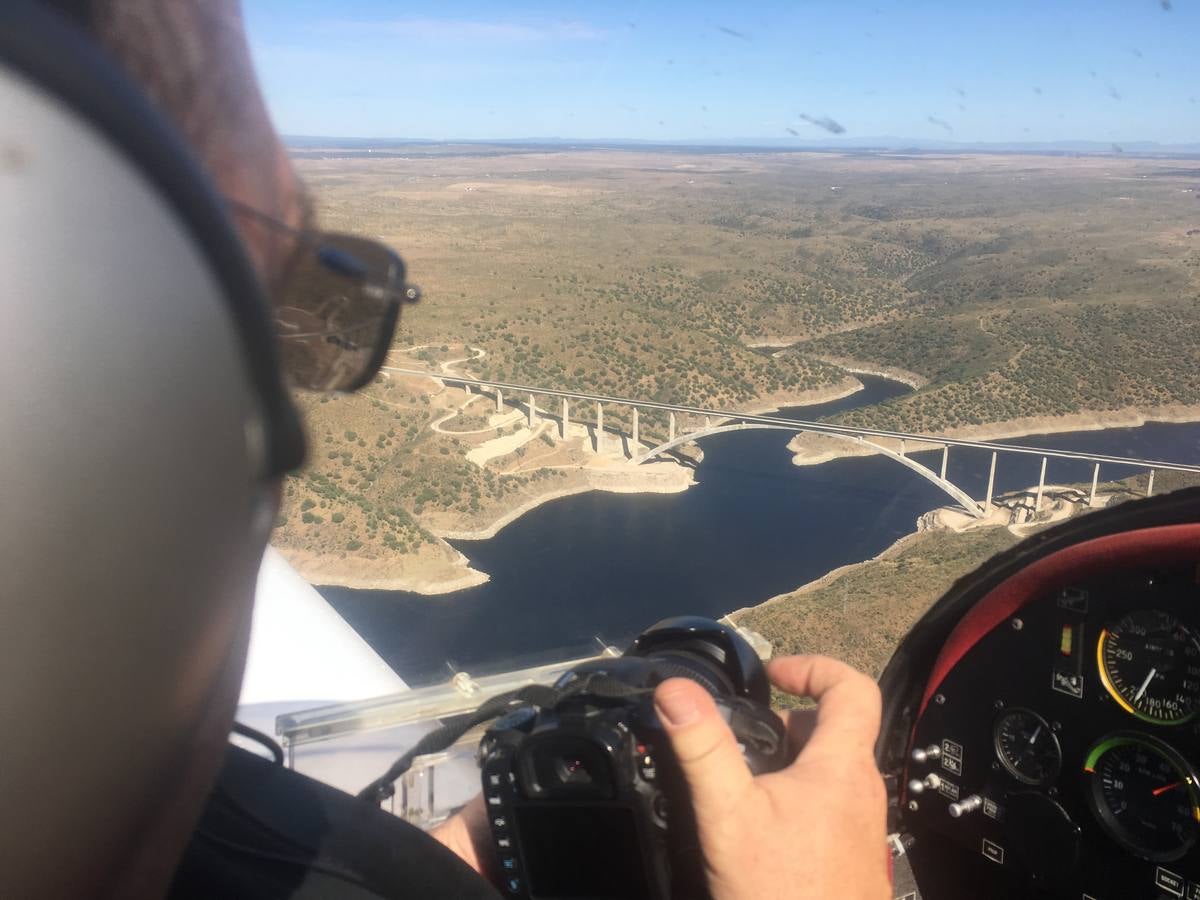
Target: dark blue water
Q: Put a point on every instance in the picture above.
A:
(607, 565)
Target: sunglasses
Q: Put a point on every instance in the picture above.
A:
(335, 306)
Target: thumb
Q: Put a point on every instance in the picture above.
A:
(707, 750)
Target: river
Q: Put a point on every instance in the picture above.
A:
(600, 565)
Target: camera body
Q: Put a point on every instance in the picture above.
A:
(585, 798)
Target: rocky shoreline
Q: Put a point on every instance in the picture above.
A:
(440, 569)
(1013, 511)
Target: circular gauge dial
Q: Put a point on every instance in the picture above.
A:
(1144, 795)
(1027, 747)
(1150, 663)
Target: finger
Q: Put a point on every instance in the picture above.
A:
(708, 753)
(849, 706)
(800, 723)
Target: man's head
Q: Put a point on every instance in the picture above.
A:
(192, 59)
(142, 409)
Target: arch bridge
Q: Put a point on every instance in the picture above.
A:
(894, 445)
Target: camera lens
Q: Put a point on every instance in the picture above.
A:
(711, 653)
(572, 770)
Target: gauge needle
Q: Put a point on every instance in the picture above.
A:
(1033, 737)
(1145, 684)
(1157, 792)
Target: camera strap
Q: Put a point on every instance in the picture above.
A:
(596, 685)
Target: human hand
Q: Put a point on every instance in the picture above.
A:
(466, 834)
(816, 829)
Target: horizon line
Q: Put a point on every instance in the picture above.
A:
(881, 142)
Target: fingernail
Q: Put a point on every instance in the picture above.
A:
(677, 706)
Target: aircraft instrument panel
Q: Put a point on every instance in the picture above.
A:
(1065, 743)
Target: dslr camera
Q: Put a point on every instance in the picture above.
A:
(583, 795)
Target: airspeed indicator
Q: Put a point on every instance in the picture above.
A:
(1149, 663)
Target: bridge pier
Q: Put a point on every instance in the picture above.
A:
(892, 444)
(987, 504)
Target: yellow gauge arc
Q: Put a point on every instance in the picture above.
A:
(1113, 692)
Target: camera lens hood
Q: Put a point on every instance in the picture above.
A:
(713, 642)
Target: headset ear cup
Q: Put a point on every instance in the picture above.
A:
(142, 412)
(41, 46)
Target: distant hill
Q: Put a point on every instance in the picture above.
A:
(885, 143)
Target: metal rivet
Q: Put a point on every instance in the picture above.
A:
(998, 704)
(1056, 726)
(1053, 792)
(1017, 624)
(939, 699)
(913, 806)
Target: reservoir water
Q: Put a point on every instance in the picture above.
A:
(600, 565)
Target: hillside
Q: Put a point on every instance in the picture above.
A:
(1014, 286)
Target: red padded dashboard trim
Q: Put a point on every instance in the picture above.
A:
(1145, 547)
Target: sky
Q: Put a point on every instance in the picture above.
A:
(1113, 71)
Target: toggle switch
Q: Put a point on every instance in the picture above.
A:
(933, 751)
(965, 806)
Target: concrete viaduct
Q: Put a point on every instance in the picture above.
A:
(719, 421)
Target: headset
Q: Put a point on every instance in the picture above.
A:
(145, 425)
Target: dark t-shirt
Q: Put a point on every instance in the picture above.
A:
(268, 832)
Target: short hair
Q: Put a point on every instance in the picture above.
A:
(78, 10)
(191, 58)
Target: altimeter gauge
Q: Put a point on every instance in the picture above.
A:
(1027, 747)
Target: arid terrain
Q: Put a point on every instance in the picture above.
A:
(1009, 288)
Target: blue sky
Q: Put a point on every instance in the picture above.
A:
(972, 71)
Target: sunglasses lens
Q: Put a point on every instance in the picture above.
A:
(337, 312)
